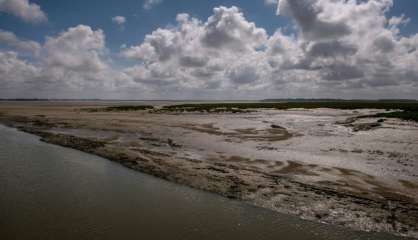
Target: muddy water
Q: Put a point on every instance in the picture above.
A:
(50, 192)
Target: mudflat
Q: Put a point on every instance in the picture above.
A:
(338, 166)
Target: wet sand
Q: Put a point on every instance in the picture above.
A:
(321, 164)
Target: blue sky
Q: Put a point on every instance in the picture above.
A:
(221, 49)
(140, 21)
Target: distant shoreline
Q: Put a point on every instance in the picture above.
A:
(208, 100)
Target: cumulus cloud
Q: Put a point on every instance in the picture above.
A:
(78, 49)
(75, 61)
(227, 28)
(120, 20)
(314, 18)
(13, 69)
(199, 54)
(339, 48)
(148, 4)
(339, 45)
(9, 39)
(29, 12)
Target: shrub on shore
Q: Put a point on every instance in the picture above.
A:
(126, 108)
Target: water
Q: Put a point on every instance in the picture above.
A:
(50, 192)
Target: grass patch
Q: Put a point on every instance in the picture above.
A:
(127, 108)
(404, 115)
(208, 108)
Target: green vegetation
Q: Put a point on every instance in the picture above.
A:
(209, 108)
(404, 115)
(247, 107)
(126, 108)
(406, 110)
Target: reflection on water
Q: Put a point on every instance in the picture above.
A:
(50, 192)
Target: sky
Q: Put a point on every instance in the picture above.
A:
(209, 50)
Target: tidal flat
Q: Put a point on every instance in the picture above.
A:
(351, 166)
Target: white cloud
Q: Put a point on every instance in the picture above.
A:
(197, 54)
(340, 46)
(120, 20)
(227, 28)
(15, 70)
(339, 49)
(77, 49)
(350, 41)
(315, 19)
(148, 4)
(74, 63)
(9, 39)
(29, 12)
